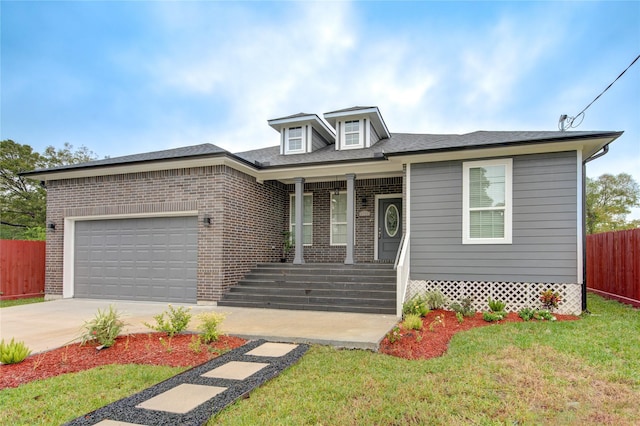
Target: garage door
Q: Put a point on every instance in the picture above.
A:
(137, 259)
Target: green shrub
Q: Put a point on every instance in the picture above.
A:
(177, 321)
(544, 315)
(526, 313)
(13, 352)
(497, 305)
(394, 335)
(435, 299)
(491, 316)
(209, 326)
(412, 322)
(417, 305)
(104, 327)
(464, 308)
(459, 317)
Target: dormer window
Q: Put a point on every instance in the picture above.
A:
(352, 134)
(294, 140)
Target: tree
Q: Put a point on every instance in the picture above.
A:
(609, 201)
(23, 200)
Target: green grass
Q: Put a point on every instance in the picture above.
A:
(583, 372)
(16, 302)
(59, 399)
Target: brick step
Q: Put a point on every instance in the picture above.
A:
(271, 305)
(321, 285)
(292, 291)
(319, 278)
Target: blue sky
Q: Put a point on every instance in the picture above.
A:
(130, 77)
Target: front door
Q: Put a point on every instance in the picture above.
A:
(389, 227)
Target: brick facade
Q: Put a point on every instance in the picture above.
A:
(321, 250)
(247, 217)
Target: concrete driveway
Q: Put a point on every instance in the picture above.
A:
(49, 325)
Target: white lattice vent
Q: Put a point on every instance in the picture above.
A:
(515, 295)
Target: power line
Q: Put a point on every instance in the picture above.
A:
(570, 121)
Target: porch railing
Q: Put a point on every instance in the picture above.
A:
(402, 273)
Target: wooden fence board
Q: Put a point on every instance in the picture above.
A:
(613, 265)
(22, 269)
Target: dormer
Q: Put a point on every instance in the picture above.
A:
(302, 133)
(357, 127)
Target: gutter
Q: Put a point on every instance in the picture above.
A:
(602, 152)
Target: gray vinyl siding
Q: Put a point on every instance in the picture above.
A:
(544, 244)
(317, 141)
(373, 135)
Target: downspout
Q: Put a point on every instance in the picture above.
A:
(599, 154)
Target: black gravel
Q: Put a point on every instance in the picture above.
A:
(124, 410)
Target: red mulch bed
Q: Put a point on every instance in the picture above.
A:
(435, 335)
(147, 348)
(152, 348)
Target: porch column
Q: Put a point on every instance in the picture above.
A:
(351, 179)
(298, 258)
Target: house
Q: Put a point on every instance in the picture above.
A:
(483, 214)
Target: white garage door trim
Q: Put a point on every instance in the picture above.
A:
(68, 277)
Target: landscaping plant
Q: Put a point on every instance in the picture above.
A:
(435, 299)
(209, 326)
(104, 328)
(464, 307)
(177, 321)
(526, 313)
(13, 352)
(550, 299)
(417, 305)
(412, 322)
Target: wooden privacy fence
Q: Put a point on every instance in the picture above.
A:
(613, 265)
(21, 269)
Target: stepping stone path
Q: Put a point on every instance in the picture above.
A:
(192, 397)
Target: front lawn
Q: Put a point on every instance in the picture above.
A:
(16, 302)
(575, 372)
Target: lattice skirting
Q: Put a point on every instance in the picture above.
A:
(515, 295)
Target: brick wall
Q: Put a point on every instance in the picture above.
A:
(247, 217)
(322, 251)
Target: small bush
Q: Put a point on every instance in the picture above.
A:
(543, 315)
(491, 316)
(209, 326)
(435, 299)
(177, 322)
(104, 327)
(459, 317)
(412, 322)
(464, 308)
(394, 335)
(497, 305)
(417, 305)
(550, 299)
(13, 352)
(526, 313)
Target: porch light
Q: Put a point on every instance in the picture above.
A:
(51, 226)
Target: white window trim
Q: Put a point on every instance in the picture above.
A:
(343, 134)
(508, 197)
(331, 222)
(302, 138)
(292, 219)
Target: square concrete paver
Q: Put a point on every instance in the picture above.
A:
(181, 399)
(272, 349)
(108, 422)
(235, 370)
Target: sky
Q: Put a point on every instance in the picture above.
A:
(136, 76)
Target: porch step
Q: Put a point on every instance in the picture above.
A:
(364, 288)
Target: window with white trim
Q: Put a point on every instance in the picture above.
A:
(294, 140)
(487, 202)
(307, 218)
(339, 219)
(352, 135)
